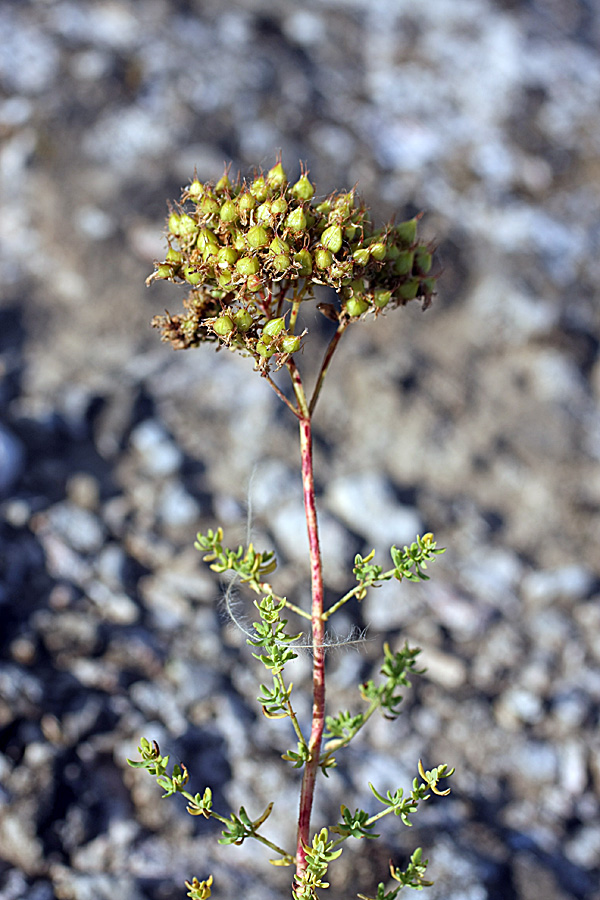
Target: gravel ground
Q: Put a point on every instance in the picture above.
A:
(479, 421)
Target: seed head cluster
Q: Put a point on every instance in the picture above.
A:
(252, 250)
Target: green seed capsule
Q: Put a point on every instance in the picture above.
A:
(223, 184)
(164, 271)
(228, 212)
(303, 189)
(263, 212)
(381, 298)
(264, 350)
(257, 237)
(207, 241)
(281, 262)
(239, 241)
(279, 206)
(296, 220)
(226, 257)
(350, 232)
(423, 260)
(406, 232)
(332, 238)
(187, 226)
(290, 343)
(323, 258)
(408, 290)
(324, 208)
(224, 278)
(404, 262)
(274, 327)
(276, 176)
(279, 246)
(377, 250)
(195, 190)
(192, 276)
(304, 260)
(361, 256)
(173, 223)
(223, 326)
(258, 189)
(254, 283)
(356, 306)
(174, 256)
(243, 320)
(247, 265)
(246, 202)
(209, 205)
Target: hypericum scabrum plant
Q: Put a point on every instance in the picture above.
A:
(252, 252)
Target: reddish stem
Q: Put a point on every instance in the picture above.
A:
(318, 634)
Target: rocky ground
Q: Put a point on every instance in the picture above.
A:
(478, 420)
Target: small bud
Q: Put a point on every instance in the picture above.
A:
(296, 219)
(257, 237)
(223, 326)
(243, 320)
(247, 265)
(274, 327)
(361, 256)
(290, 343)
(276, 176)
(381, 298)
(406, 232)
(303, 189)
(323, 258)
(377, 250)
(356, 306)
(304, 260)
(258, 189)
(228, 212)
(279, 206)
(423, 260)
(332, 238)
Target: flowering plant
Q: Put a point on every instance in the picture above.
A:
(252, 253)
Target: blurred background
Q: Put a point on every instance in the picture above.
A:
(477, 420)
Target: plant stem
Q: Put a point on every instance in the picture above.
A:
(325, 364)
(318, 626)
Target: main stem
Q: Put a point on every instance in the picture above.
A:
(318, 633)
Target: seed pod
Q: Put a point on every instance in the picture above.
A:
(223, 326)
(225, 278)
(209, 205)
(258, 189)
(377, 250)
(278, 246)
(191, 274)
(239, 241)
(406, 232)
(278, 206)
(174, 256)
(404, 262)
(195, 190)
(186, 226)
(164, 271)
(173, 223)
(323, 258)
(408, 290)
(296, 220)
(263, 212)
(226, 257)
(276, 176)
(356, 306)
(243, 320)
(207, 241)
(223, 184)
(247, 265)
(281, 262)
(228, 212)
(246, 202)
(381, 298)
(304, 259)
(324, 208)
(257, 237)
(423, 260)
(361, 256)
(254, 283)
(290, 343)
(264, 350)
(350, 232)
(332, 238)
(303, 189)
(274, 327)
